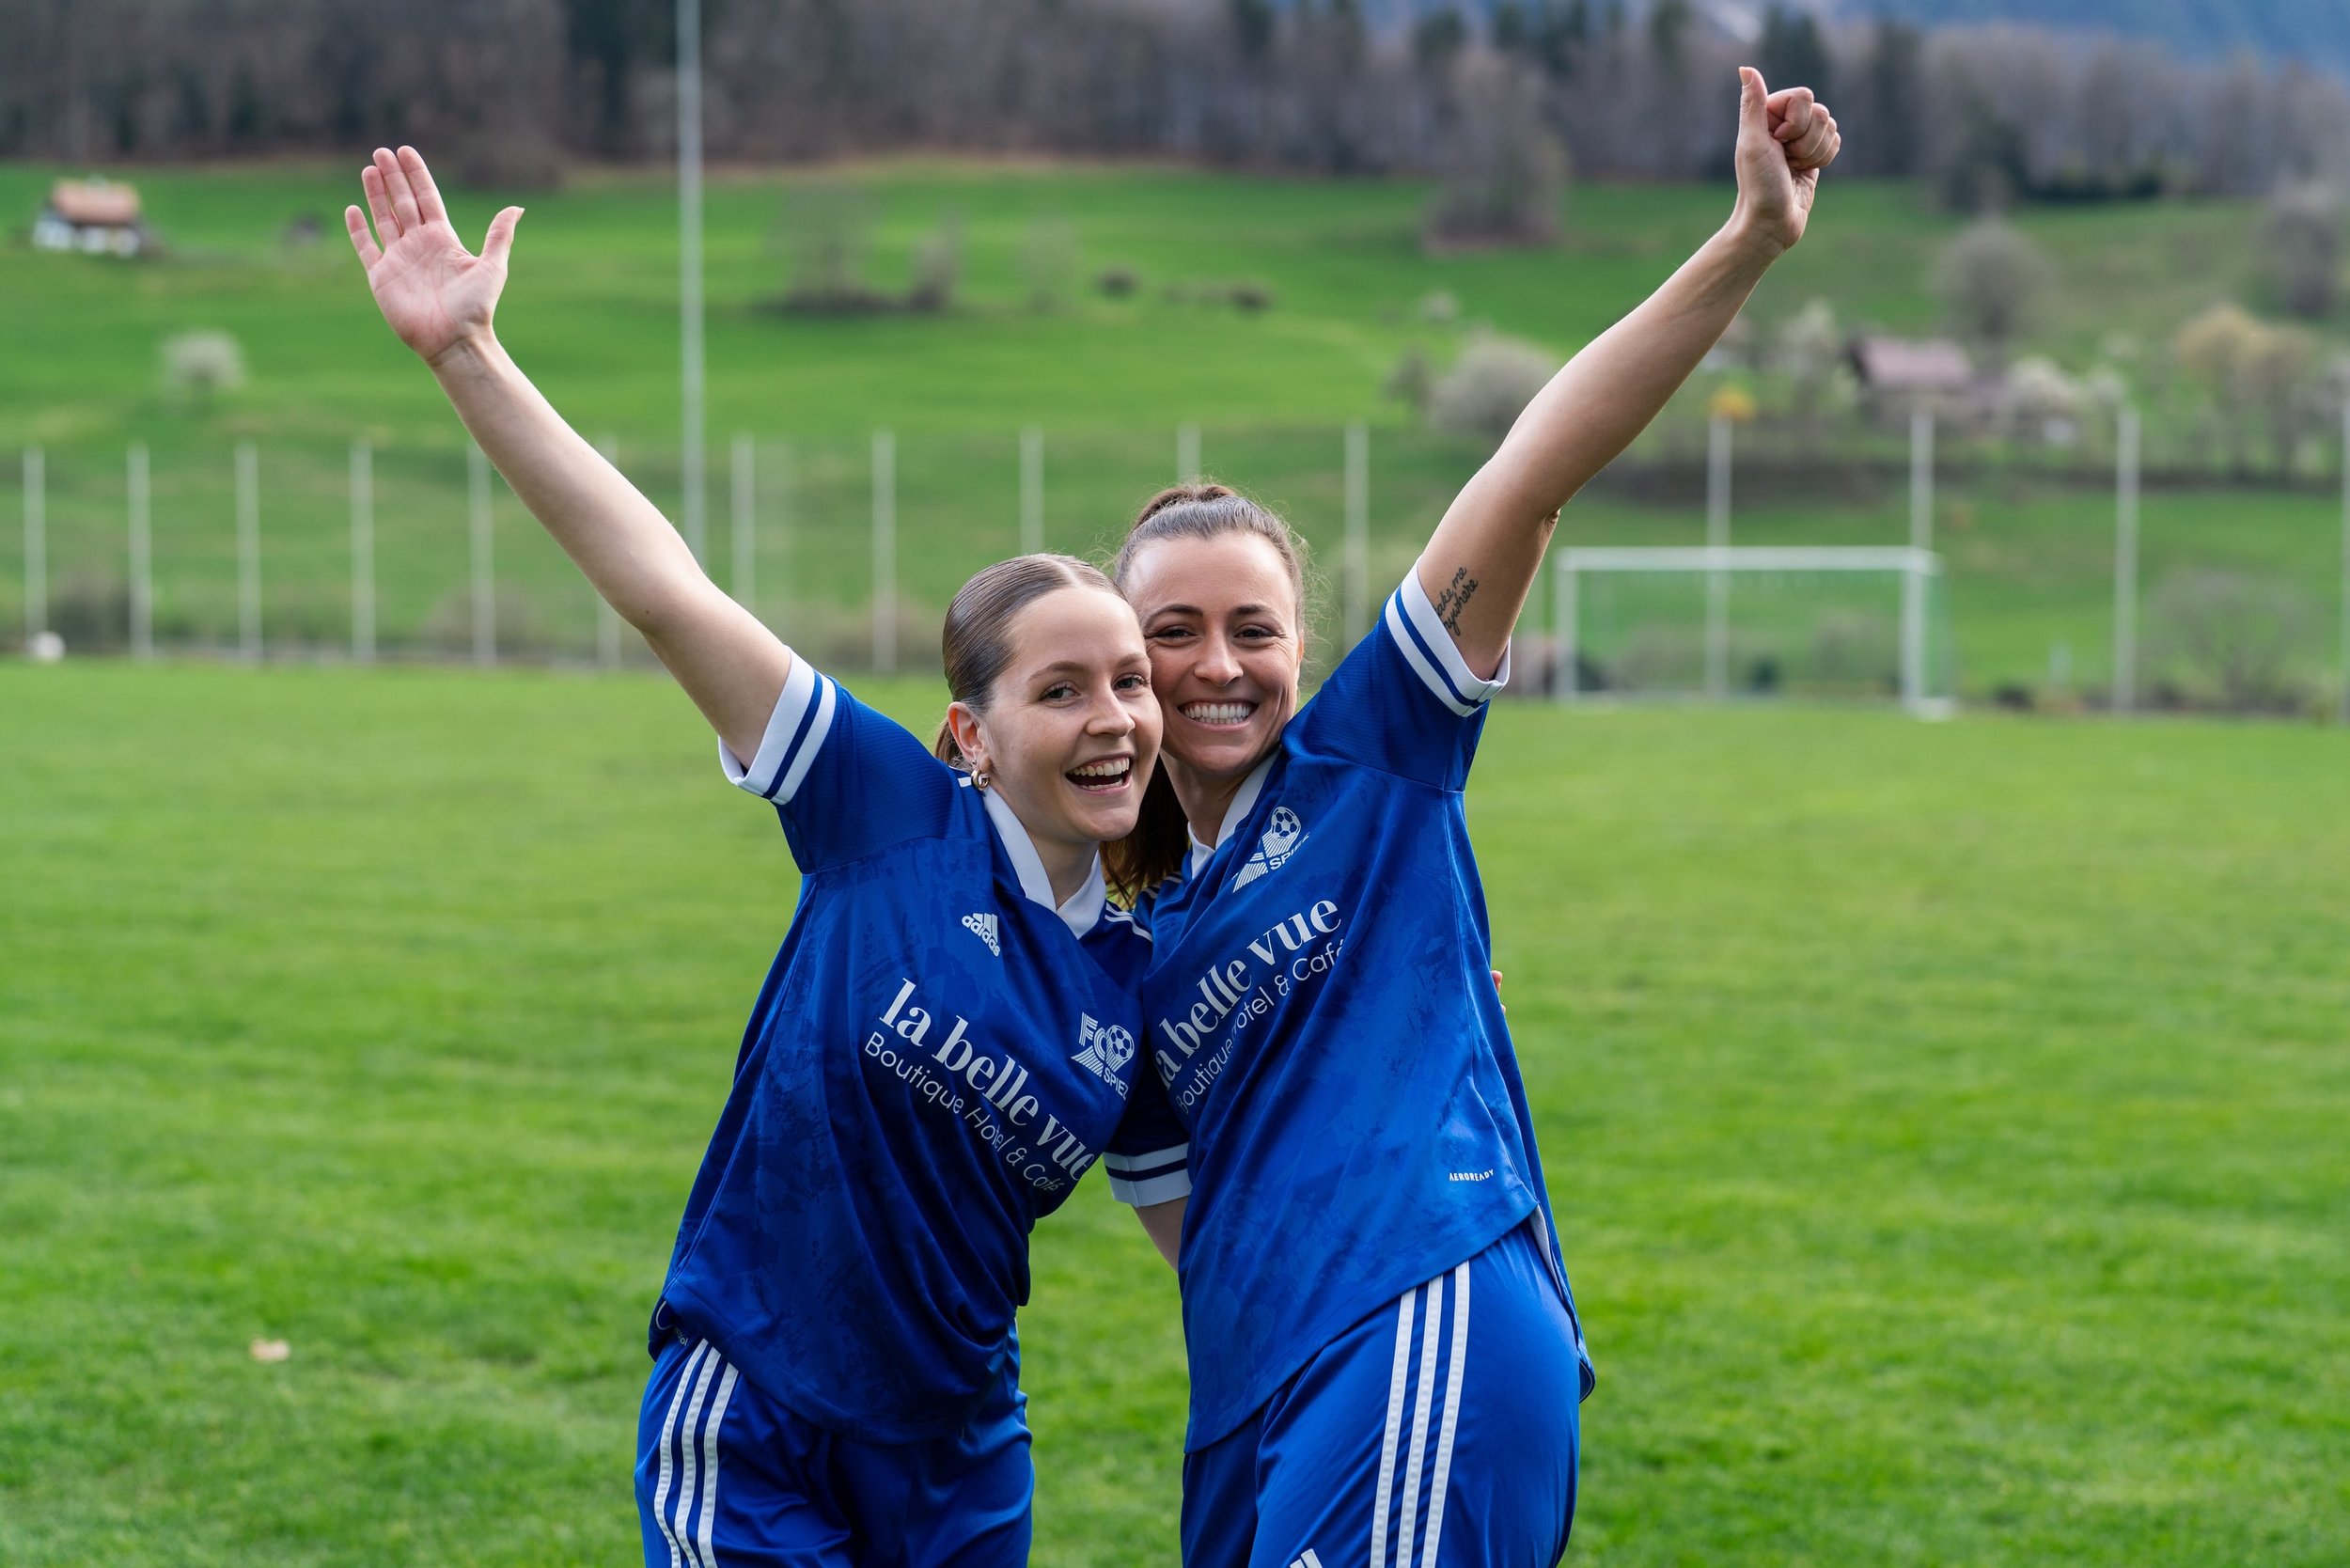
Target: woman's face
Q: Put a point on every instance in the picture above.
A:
(1072, 729)
(1221, 621)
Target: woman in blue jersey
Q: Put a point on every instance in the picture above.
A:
(944, 1044)
(1385, 1355)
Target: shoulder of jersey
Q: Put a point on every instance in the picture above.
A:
(1131, 921)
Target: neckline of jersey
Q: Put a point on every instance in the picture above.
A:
(1244, 802)
(1084, 909)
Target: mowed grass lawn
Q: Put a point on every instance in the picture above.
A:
(1946, 1125)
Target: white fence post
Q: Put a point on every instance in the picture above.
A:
(362, 552)
(607, 619)
(2125, 566)
(36, 544)
(779, 553)
(1187, 453)
(1567, 685)
(248, 552)
(1031, 490)
(744, 519)
(485, 603)
(1357, 531)
(142, 555)
(1717, 538)
(885, 552)
(1920, 543)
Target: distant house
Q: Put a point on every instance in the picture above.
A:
(95, 216)
(1898, 376)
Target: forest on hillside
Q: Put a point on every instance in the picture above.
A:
(509, 91)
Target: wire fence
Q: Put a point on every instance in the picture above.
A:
(2099, 594)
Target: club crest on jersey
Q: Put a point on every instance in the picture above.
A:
(1106, 1048)
(1283, 835)
(986, 928)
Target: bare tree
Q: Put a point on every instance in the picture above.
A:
(2303, 239)
(1504, 171)
(1993, 279)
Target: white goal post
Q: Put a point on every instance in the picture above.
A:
(1718, 565)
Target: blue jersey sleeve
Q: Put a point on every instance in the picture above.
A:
(1149, 1159)
(1404, 702)
(846, 780)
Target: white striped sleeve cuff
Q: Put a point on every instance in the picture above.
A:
(795, 732)
(1143, 1180)
(1432, 654)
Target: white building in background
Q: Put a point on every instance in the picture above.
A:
(97, 217)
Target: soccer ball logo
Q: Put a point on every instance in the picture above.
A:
(1281, 836)
(1107, 1048)
(1284, 831)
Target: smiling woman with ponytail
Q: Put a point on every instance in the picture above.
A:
(836, 1377)
(1385, 1358)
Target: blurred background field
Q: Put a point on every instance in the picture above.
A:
(1133, 335)
(1944, 1123)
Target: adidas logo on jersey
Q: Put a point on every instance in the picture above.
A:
(984, 927)
(1283, 835)
(1305, 1559)
(1106, 1048)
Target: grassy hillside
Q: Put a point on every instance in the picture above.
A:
(591, 313)
(1943, 1123)
(591, 309)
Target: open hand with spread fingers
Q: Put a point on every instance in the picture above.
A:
(1784, 140)
(435, 293)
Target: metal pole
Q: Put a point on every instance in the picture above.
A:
(1920, 542)
(1357, 531)
(248, 550)
(142, 555)
(779, 532)
(362, 552)
(36, 543)
(1717, 579)
(2125, 567)
(885, 552)
(1031, 490)
(745, 521)
(485, 603)
(1569, 682)
(2344, 712)
(689, 185)
(608, 618)
(1187, 453)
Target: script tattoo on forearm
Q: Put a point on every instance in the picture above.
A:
(1454, 599)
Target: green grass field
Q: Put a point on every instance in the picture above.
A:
(1945, 1124)
(591, 313)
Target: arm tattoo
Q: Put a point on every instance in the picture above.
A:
(1454, 599)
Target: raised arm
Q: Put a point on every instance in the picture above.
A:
(1480, 564)
(439, 298)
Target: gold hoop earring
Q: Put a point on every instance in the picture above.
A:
(978, 779)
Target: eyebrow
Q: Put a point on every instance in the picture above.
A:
(1073, 666)
(1193, 609)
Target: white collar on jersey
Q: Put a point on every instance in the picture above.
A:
(1084, 908)
(1242, 802)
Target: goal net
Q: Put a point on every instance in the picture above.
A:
(1725, 624)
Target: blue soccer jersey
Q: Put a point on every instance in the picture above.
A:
(938, 1055)
(1320, 1006)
